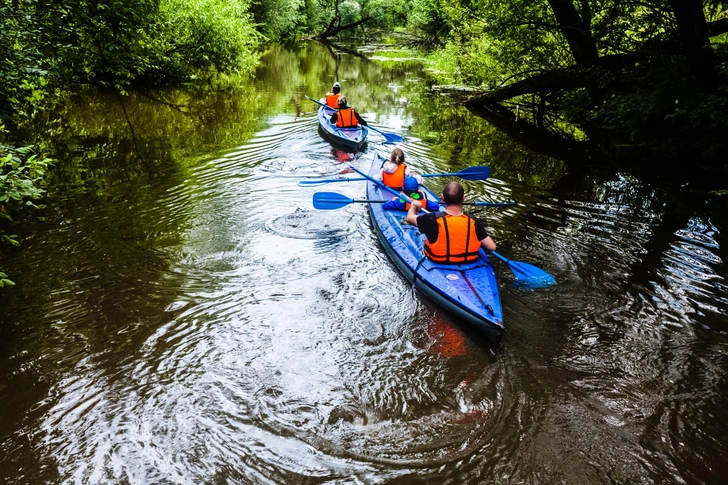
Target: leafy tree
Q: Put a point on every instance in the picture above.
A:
(612, 69)
(280, 19)
(63, 46)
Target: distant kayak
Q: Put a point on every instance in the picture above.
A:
(467, 291)
(350, 138)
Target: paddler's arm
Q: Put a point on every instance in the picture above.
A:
(485, 240)
(488, 244)
(361, 120)
(415, 207)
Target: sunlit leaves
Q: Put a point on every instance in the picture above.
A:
(4, 281)
(21, 174)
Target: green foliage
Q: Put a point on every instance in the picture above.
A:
(4, 281)
(21, 177)
(58, 47)
(429, 17)
(278, 19)
(199, 34)
(22, 77)
(488, 44)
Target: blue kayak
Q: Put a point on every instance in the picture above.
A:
(468, 291)
(351, 138)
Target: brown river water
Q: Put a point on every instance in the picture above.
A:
(183, 314)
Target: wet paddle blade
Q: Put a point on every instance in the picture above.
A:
(470, 173)
(330, 200)
(474, 173)
(531, 275)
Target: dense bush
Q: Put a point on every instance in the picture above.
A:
(55, 48)
(22, 174)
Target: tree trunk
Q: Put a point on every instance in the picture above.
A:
(695, 42)
(718, 27)
(576, 31)
(542, 83)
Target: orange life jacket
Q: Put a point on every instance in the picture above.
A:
(395, 179)
(346, 119)
(332, 100)
(456, 240)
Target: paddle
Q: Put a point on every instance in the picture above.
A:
(471, 173)
(390, 137)
(319, 102)
(334, 200)
(527, 273)
(524, 272)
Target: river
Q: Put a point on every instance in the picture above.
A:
(184, 315)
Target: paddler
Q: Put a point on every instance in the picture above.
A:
(346, 116)
(452, 235)
(395, 170)
(332, 98)
(410, 188)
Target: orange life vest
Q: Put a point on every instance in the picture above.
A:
(332, 100)
(456, 240)
(395, 179)
(346, 119)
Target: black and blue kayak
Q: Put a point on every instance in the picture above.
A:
(468, 291)
(350, 138)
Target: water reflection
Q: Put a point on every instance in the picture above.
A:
(200, 322)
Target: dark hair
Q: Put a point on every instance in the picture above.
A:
(342, 101)
(336, 89)
(397, 156)
(453, 194)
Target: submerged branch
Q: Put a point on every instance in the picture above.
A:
(557, 80)
(531, 136)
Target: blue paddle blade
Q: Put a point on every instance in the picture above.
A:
(531, 275)
(330, 200)
(525, 273)
(470, 173)
(474, 173)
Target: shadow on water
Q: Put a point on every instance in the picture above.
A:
(184, 315)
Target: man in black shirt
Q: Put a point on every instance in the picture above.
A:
(452, 236)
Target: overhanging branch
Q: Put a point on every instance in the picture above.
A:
(341, 28)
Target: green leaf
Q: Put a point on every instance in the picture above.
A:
(10, 240)
(7, 282)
